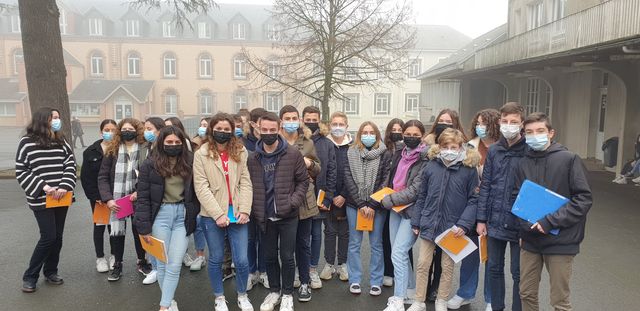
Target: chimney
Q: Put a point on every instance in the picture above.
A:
(22, 76)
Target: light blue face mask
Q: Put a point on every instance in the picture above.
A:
(368, 140)
(149, 136)
(291, 127)
(338, 131)
(481, 130)
(202, 131)
(238, 132)
(537, 142)
(56, 125)
(107, 136)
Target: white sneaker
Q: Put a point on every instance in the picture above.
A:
(441, 305)
(244, 303)
(620, 180)
(221, 304)
(327, 272)
(187, 260)
(174, 306)
(411, 296)
(355, 289)
(375, 291)
(395, 304)
(296, 280)
(636, 180)
(102, 265)
(456, 302)
(315, 283)
(112, 261)
(196, 264)
(270, 302)
(387, 281)
(343, 273)
(287, 303)
(418, 306)
(151, 278)
(252, 280)
(264, 280)
(488, 308)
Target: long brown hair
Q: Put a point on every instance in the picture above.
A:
(114, 144)
(162, 161)
(455, 118)
(40, 128)
(234, 145)
(491, 118)
(391, 145)
(358, 142)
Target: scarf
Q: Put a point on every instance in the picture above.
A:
(408, 158)
(364, 168)
(125, 179)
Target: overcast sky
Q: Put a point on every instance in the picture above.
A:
(471, 17)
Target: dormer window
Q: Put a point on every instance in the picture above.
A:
(239, 31)
(168, 29)
(273, 33)
(95, 27)
(133, 28)
(15, 24)
(204, 30)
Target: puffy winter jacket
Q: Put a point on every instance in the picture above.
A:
(352, 185)
(341, 164)
(413, 182)
(326, 179)
(91, 162)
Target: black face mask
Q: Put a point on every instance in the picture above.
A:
(440, 127)
(269, 139)
(412, 142)
(173, 150)
(221, 137)
(396, 137)
(313, 126)
(128, 135)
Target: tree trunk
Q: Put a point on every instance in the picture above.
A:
(43, 59)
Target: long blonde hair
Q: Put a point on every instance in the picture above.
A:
(358, 141)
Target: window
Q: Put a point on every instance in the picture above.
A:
(15, 24)
(415, 67)
(18, 59)
(133, 64)
(273, 69)
(350, 70)
(7, 109)
(97, 65)
(533, 98)
(206, 102)
(273, 101)
(351, 104)
(239, 32)
(133, 28)
(536, 15)
(95, 26)
(239, 68)
(605, 79)
(204, 30)
(63, 22)
(559, 9)
(273, 32)
(170, 102)
(411, 102)
(169, 65)
(240, 101)
(382, 104)
(382, 71)
(168, 30)
(205, 66)
(78, 110)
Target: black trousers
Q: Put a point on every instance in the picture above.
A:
(98, 235)
(281, 235)
(435, 272)
(46, 255)
(75, 139)
(117, 244)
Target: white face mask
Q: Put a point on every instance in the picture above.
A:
(510, 131)
(449, 155)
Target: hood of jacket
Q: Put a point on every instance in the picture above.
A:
(471, 158)
(429, 140)
(347, 140)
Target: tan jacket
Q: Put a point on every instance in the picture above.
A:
(305, 145)
(211, 186)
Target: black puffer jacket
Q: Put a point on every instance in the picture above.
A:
(563, 172)
(326, 180)
(413, 181)
(92, 160)
(150, 195)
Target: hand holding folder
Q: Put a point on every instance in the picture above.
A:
(155, 247)
(364, 223)
(534, 202)
(483, 248)
(126, 207)
(378, 196)
(64, 201)
(456, 247)
(101, 214)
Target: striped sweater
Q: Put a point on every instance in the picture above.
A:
(37, 166)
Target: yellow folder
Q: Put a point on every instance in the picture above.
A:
(156, 248)
(378, 196)
(363, 223)
(101, 214)
(482, 248)
(320, 199)
(65, 201)
(452, 243)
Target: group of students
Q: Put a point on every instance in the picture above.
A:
(259, 188)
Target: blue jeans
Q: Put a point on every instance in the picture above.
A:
(354, 262)
(303, 249)
(256, 251)
(496, 250)
(316, 242)
(169, 227)
(402, 240)
(198, 235)
(238, 237)
(469, 273)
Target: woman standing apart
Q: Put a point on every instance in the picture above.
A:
(45, 166)
(167, 206)
(223, 185)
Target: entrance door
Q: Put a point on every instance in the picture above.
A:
(123, 109)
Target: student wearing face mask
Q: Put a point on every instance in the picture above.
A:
(167, 206)
(92, 160)
(552, 166)
(364, 175)
(201, 134)
(452, 170)
(177, 123)
(250, 138)
(239, 130)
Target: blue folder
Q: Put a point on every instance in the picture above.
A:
(231, 215)
(534, 202)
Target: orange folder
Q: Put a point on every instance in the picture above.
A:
(378, 196)
(156, 248)
(363, 223)
(101, 214)
(452, 243)
(482, 248)
(320, 199)
(62, 202)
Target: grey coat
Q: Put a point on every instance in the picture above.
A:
(414, 180)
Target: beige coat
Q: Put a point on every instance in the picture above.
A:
(211, 186)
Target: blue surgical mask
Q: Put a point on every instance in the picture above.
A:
(449, 155)
(291, 127)
(537, 142)
(56, 125)
(107, 136)
(238, 132)
(481, 130)
(202, 131)
(368, 140)
(149, 136)
(338, 131)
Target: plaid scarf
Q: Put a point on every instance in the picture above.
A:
(125, 179)
(364, 168)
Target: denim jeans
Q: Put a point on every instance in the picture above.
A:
(46, 254)
(303, 249)
(316, 242)
(255, 249)
(238, 236)
(169, 227)
(354, 262)
(198, 236)
(469, 273)
(496, 251)
(402, 240)
(336, 229)
(281, 235)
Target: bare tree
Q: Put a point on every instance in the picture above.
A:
(325, 46)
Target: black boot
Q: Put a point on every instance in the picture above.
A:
(115, 274)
